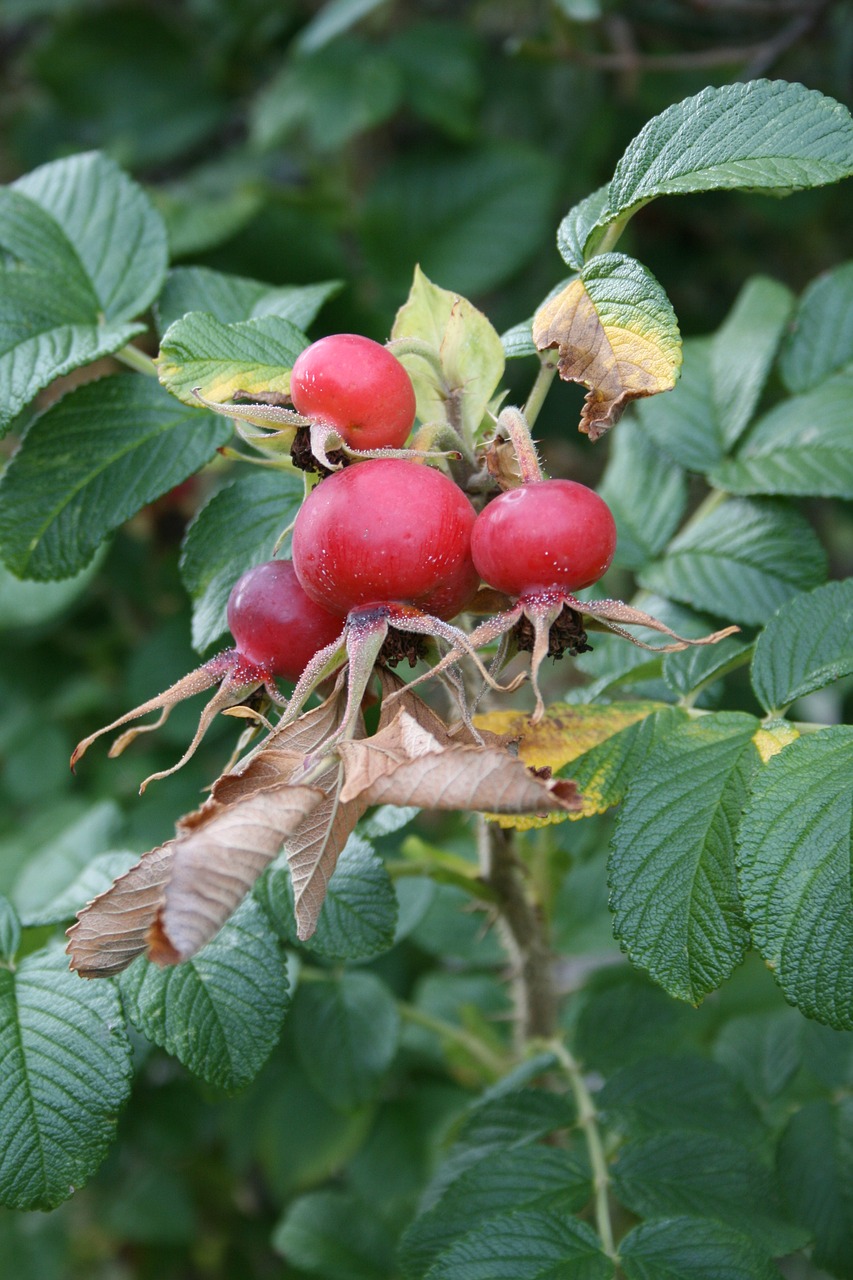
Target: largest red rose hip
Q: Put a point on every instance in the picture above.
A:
(386, 531)
(554, 533)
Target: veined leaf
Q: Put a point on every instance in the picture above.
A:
(616, 333)
(347, 1031)
(743, 350)
(802, 446)
(232, 298)
(89, 463)
(335, 1235)
(531, 1244)
(741, 561)
(66, 1075)
(646, 493)
(672, 867)
(794, 862)
(820, 340)
(691, 669)
(683, 423)
(806, 645)
(236, 529)
(220, 1013)
(199, 352)
(685, 1248)
(816, 1172)
(573, 233)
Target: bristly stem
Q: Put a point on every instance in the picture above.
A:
(514, 424)
(588, 1122)
(136, 359)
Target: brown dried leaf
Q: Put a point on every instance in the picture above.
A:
(113, 929)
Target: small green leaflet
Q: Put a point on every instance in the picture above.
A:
(66, 1075)
(346, 1030)
(89, 463)
(219, 1013)
(794, 863)
(685, 1248)
(236, 529)
(531, 1244)
(198, 352)
(741, 561)
(803, 446)
(743, 350)
(574, 231)
(690, 670)
(683, 423)
(816, 1171)
(672, 867)
(820, 339)
(806, 645)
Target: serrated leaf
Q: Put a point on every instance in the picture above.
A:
(706, 1175)
(221, 1012)
(10, 931)
(531, 1177)
(820, 340)
(803, 446)
(50, 869)
(806, 645)
(742, 561)
(764, 1051)
(237, 528)
(232, 298)
(518, 341)
(116, 232)
(199, 352)
(743, 349)
(683, 1248)
(794, 862)
(527, 1245)
(89, 463)
(816, 1171)
(346, 1031)
(691, 669)
(763, 135)
(682, 1093)
(468, 349)
(683, 423)
(672, 868)
(359, 914)
(94, 878)
(646, 493)
(334, 1235)
(616, 333)
(573, 233)
(66, 1075)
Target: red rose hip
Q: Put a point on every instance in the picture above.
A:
(274, 623)
(358, 387)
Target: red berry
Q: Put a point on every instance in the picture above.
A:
(274, 623)
(356, 386)
(386, 531)
(554, 533)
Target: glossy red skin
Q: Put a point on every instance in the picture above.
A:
(356, 386)
(554, 533)
(274, 623)
(386, 531)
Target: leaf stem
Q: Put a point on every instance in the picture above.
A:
(588, 1122)
(487, 1058)
(136, 359)
(541, 386)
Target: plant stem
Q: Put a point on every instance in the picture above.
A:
(541, 387)
(534, 992)
(588, 1122)
(136, 359)
(491, 1061)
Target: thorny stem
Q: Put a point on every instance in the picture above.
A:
(588, 1122)
(516, 426)
(136, 359)
(534, 992)
(491, 1061)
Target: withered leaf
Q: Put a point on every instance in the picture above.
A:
(616, 333)
(113, 929)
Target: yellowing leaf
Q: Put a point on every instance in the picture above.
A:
(616, 333)
(201, 353)
(771, 738)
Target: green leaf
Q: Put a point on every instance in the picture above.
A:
(816, 1172)
(624, 1018)
(646, 493)
(236, 529)
(94, 878)
(764, 135)
(232, 298)
(706, 1175)
(528, 1245)
(198, 351)
(469, 352)
(89, 463)
(117, 234)
(219, 1013)
(794, 860)
(604, 773)
(682, 1248)
(574, 231)
(334, 1235)
(806, 645)
(333, 19)
(616, 333)
(346, 1030)
(66, 1075)
(743, 350)
(358, 917)
(531, 1177)
(690, 669)
(680, 1092)
(672, 867)
(36, 243)
(50, 869)
(10, 931)
(683, 423)
(762, 1050)
(802, 446)
(741, 562)
(820, 339)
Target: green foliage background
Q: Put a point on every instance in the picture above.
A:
(295, 143)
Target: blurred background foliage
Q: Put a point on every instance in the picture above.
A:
(296, 141)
